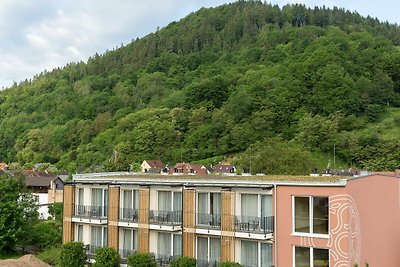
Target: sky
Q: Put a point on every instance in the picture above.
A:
(44, 34)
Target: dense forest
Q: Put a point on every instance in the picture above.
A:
(275, 90)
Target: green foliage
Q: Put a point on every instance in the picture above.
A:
(18, 213)
(183, 262)
(73, 255)
(214, 83)
(56, 211)
(107, 257)
(51, 256)
(141, 260)
(229, 264)
(47, 234)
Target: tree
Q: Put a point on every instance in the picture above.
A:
(73, 255)
(18, 212)
(141, 260)
(183, 262)
(107, 257)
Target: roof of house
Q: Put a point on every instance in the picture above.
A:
(158, 164)
(38, 178)
(223, 168)
(3, 166)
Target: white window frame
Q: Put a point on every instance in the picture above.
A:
(135, 193)
(208, 202)
(77, 233)
(258, 250)
(133, 233)
(172, 242)
(311, 255)
(172, 198)
(104, 229)
(104, 202)
(259, 200)
(311, 217)
(208, 246)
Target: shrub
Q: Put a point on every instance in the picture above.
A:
(50, 256)
(73, 255)
(183, 262)
(47, 234)
(229, 264)
(141, 260)
(106, 257)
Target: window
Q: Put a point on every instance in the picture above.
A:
(311, 215)
(208, 251)
(209, 209)
(169, 245)
(130, 204)
(98, 238)
(311, 257)
(256, 254)
(129, 242)
(79, 233)
(256, 213)
(169, 201)
(99, 201)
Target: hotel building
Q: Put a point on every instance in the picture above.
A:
(266, 221)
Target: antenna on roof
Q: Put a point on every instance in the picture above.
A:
(334, 156)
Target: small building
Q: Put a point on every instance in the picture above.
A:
(224, 169)
(47, 187)
(152, 166)
(181, 168)
(3, 166)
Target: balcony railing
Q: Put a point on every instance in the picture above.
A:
(208, 220)
(91, 212)
(164, 260)
(125, 253)
(206, 263)
(129, 215)
(166, 217)
(264, 225)
(91, 249)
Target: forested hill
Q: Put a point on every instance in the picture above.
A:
(273, 88)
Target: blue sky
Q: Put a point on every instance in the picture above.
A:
(44, 34)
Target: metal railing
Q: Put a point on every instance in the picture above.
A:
(91, 212)
(264, 225)
(125, 253)
(129, 215)
(91, 249)
(165, 217)
(208, 220)
(164, 260)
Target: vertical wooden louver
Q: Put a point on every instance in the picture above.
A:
(189, 222)
(69, 204)
(227, 226)
(113, 214)
(144, 207)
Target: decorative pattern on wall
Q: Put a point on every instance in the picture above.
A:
(345, 235)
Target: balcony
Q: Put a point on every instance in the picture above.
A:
(125, 253)
(91, 250)
(206, 220)
(164, 260)
(165, 217)
(91, 212)
(129, 215)
(250, 224)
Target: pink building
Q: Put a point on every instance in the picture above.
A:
(258, 221)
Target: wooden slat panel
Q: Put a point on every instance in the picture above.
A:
(189, 222)
(69, 202)
(144, 206)
(113, 214)
(227, 226)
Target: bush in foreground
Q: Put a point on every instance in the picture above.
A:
(183, 262)
(106, 257)
(229, 264)
(50, 256)
(73, 255)
(141, 260)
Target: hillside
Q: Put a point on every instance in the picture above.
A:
(276, 88)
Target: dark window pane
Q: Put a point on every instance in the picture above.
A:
(302, 214)
(321, 215)
(321, 257)
(302, 257)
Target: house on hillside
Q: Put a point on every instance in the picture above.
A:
(152, 166)
(3, 166)
(225, 169)
(190, 169)
(47, 187)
